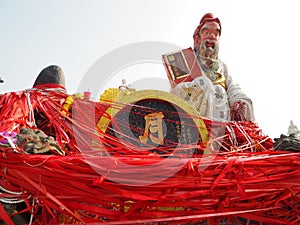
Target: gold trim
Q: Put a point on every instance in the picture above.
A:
(221, 80)
(103, 123)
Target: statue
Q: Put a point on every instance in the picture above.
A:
(212, 91)
(289, 142)
(124, 86)
(293, 130)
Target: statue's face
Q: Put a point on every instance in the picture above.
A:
(208, 46)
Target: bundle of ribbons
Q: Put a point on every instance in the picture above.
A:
(58, 167)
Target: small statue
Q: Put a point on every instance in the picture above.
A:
(289, 142)
(124, 86)
(293, 130)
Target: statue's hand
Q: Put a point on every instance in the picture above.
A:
(237, 111)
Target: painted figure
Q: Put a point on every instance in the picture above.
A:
(213, 94)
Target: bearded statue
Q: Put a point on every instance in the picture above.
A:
(213, 93)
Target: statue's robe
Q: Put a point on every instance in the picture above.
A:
(214, 93)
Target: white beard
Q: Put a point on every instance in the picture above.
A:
(208, 53)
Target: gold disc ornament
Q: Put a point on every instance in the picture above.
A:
(150, 119)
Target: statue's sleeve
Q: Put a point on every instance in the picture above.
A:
(235, 94)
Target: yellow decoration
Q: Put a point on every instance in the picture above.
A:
(112, 94)
(69, 102)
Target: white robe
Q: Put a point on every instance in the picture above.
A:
(212, 99)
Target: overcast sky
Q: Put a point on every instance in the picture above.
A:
(259, 44)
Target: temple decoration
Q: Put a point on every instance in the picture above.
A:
(149, 118)
(153, 125)
(246, 180)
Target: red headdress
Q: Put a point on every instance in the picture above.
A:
(208, 17)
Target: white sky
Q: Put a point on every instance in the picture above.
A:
(259, 43)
